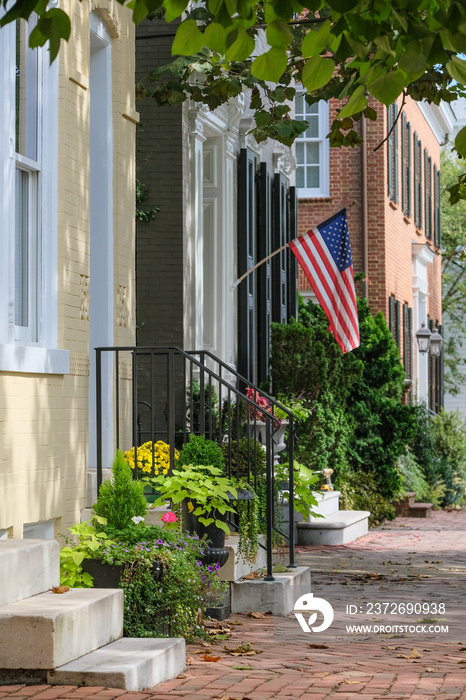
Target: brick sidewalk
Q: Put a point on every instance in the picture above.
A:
(404, 559)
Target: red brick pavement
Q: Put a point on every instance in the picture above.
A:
(403, 557)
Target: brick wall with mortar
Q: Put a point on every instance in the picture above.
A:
(390, 232)
(162, 167)
(44, 418)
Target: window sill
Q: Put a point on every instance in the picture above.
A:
(34, 360)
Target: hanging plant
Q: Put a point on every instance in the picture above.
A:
(248, 529)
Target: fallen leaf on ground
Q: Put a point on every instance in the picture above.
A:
(60, 589)
(199, 651)
(349, 682)
(242, 668)
(209, 657)
(433, 669)
(317, 646)
(186, 675)
(257, 615)
(189, 660)
(242, 650)
(413, 654)
(235, 622)
(320, 675)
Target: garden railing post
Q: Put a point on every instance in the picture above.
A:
(98, 414)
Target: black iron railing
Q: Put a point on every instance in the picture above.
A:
(173, 393)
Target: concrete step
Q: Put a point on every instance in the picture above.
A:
(49, 629)
(236, 566)
(420, 510)
(328, 503)
(278, 596)
(129, 664)
(402, 507)
(338, 528)
(27, 567)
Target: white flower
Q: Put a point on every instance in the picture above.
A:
(137, 519)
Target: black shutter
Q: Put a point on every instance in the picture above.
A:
(292, 278)
(419, 184)
(436, 185)
(410, 343)
(246, 259)
(395, 154)
(397, 335)
(279, 262)
(405, 340)
(409, 210)
(391, 315)
(416, 180)
(390, 152)
(404, 165)
(264, 272)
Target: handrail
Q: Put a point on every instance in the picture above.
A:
(174, 383)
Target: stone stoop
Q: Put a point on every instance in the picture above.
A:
(43, 633)
(407, 508)
(236, 567)
(278, 596)
(339, 528)
(129, 664)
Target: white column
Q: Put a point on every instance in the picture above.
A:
(422, 255)
(195, 247)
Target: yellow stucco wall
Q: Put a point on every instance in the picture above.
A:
(44, 418)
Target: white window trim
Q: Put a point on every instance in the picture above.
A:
(324, 154)
(43, 356)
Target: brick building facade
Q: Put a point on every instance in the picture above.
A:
(391, 190)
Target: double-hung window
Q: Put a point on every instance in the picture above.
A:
(28, 203)
(312, 149)
(27, 239)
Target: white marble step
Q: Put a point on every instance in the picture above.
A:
(236, 566)
(129, 664)
(49, 629)
(27, 567)
(339, 528)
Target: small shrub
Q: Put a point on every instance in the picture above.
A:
(360, 492)
(120, 498)
(200, 450)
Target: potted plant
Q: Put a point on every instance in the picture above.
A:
(149, 459)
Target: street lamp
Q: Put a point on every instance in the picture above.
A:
(423, 337)
(436, 342)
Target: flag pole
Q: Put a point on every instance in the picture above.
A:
(251, 269)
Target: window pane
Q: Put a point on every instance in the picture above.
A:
(312, 173)
(299, 153)
(26, 93)
(300, 177)
(312, 109)
(312, 153)
(21, 248)
(312, 132)
(299, 106)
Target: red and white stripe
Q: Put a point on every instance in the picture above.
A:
(334, 289)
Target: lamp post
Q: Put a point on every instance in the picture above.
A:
(436, 342)
(423, 337)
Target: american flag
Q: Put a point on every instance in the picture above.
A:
(324, 253)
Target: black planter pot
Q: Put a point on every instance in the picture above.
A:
(109, 575)
(215, 535)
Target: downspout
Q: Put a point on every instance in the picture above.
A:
(364, 219)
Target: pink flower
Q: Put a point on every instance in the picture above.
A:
(169, 518)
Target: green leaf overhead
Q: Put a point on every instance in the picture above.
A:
(460, 142)
(188, 39)
(271, 65)
(387, 88)
(342, 49)
(317, 72)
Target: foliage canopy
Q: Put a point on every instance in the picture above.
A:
(347, 49)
